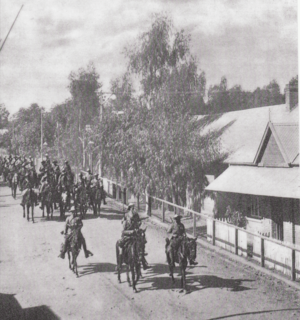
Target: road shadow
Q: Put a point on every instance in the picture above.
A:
(6, 205)
(56, 218)
(110, 210)
(158, 280)
(10, 309)
(96, 268)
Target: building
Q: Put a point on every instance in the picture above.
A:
(261, 176)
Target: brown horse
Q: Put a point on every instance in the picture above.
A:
(29, 199)
(95, 199)
(75, 242)
(47, 201)
(131, 256)
(187, 250)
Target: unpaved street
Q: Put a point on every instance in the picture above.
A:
(36, 284)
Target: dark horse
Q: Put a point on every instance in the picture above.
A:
(75, 242)
(187, 250)
(131, 256)
(95, 199)
(66, 182)
(29, 200)
(48, 201)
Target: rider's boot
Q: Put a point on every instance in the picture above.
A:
(87, 253)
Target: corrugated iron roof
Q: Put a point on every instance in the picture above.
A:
(273, 182)
(243, 130)
(288, 135)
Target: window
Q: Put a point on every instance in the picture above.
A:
(255, 207)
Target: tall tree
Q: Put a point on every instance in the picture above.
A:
(4, 114)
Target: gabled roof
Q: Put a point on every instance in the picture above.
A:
(243, 130)
(279, 145)
(288, 135)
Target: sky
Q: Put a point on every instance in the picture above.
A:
(250, 42)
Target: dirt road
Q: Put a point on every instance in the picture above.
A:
(36, 284)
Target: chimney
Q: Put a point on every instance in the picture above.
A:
(291, 97)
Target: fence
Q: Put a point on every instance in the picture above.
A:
(268, 252)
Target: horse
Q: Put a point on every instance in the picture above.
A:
(5, 173)
(67, 181)
(95, 199)
(47, 201)
(29, 199)
(81, 200)
(60, 196)
(187, 250)
(74, 245)
(131, 257)
(14, 184)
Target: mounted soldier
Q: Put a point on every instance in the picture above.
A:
(56, 170)
(131, 222)
(27, 186)
(73, 224)
(178, 232)
(42, 169)
(44, 184)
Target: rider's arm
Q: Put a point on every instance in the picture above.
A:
(170, 230)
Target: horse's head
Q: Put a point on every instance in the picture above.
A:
(191, 248)
(141, 240)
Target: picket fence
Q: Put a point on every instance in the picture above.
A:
(268, 252)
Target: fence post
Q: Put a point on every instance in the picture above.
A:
(293, 267)
(236, 241)
(163, 212)
(214, 232)
(194, 224)
(262, 252)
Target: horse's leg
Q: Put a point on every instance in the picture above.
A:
(69, 257)
(47, 210)
(119, 262)
(133, 276)
(24, 211)
(127, 273)
(171, 266)
(27, 206)
(183, 265)
(32, 212)
(75, 264)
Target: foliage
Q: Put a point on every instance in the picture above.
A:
(235, 217)
(221, 99)
(4, 114)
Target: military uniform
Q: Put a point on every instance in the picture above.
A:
(177, 230)
(74, 225)
(131, 222)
